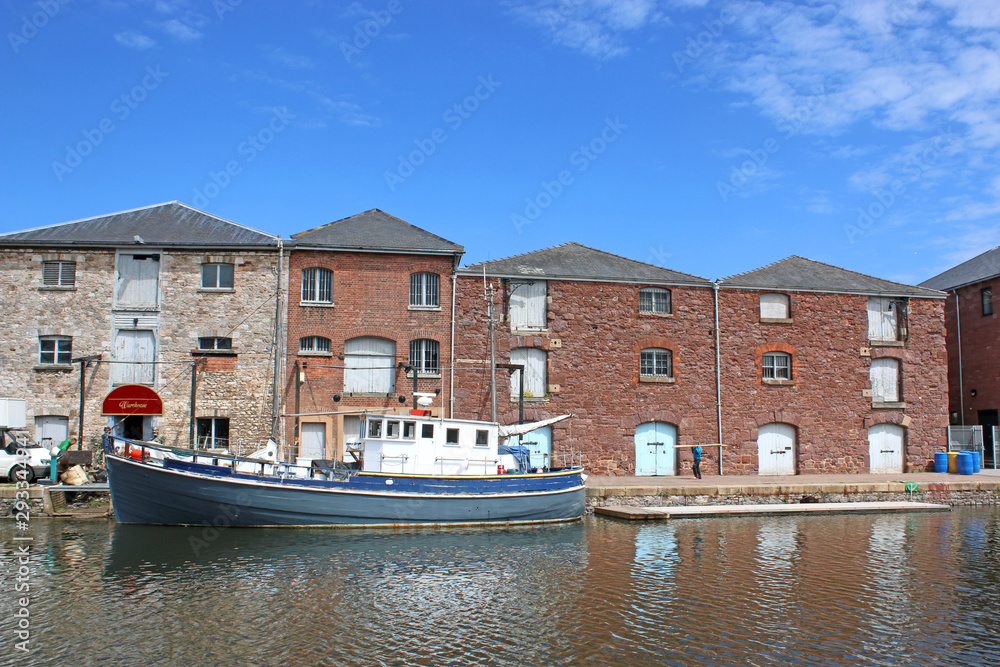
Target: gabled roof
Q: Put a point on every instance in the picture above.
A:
(572, 261)
(979, 268)
(799, 274)
(170, 224)
(374, 231)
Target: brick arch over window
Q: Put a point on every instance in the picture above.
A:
(664, 343)
(377, 332)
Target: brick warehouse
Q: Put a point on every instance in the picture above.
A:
(367, 294)
(973, 326)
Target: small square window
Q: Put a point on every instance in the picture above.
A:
(656, 363)
(427, 431)
(987, 296)
(217, 276)
(55, 350)
(654, 300)
(375, 429)
(482, 437)
(392, 429)
(409, 430)
(59, 274)
(777, 366)
(451, 436)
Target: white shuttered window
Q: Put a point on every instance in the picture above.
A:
(527, 306)
(883, 320)
(370, 365)
(884, 376)
(534, 372)
(138, 281)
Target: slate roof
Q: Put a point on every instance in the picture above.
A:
(579, 262)
(979, 268)
(805, 275)
(170, 224)
(374, 231)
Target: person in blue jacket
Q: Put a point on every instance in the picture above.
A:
(696, 467)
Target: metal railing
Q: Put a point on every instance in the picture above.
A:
(970, 439)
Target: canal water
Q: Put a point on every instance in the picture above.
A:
(910, 589)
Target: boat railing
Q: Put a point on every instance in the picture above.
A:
(571, 459)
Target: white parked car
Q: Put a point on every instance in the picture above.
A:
(38, 462)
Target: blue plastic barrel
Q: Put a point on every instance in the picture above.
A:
(940, 461)
(977, 463)
(965, 465)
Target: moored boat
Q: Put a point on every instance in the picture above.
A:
(405, 470)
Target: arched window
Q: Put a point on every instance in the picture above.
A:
(654, 300)
(317, 285)
(424, 356)
(777, 366)
(369, 365)
(314, 345)
(425, 290)
(655, 362)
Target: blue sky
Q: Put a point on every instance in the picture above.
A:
(708, 137)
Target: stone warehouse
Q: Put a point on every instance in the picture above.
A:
(798, 367)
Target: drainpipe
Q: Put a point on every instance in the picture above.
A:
(451, 381)
(718, 371)
(958, 326)
(278, 347)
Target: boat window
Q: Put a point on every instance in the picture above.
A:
(375, 429)
(427, 431)
(451, 436)
(392, 429)
(409, 430)
(482, 437)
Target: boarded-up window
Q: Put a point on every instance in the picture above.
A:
(774, 306)
(884, 376)
(138, 281)
(370, 365)
(133, 356)
(527, 305)
(534, 372)
(883, 319)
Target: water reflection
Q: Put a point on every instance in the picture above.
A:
(880, 589)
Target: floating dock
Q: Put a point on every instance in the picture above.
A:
(688, 511)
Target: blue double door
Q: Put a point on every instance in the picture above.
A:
(655, 453)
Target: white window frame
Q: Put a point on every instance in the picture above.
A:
(317, 285)
(58, 273)
(655, 301)
(535, 363)
(213, 272)
(986, 297)
(60, 352)
(425, 356)
(315, 345)
(217, 343)
(654, 360)
(425, 290)
(773, 371)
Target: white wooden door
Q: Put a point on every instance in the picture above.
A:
(370, 366)
(776, 449)
(138, 349)
(312, 441)
(654, 449)
(138, 281)
(885, 449)
(527, 306)
(883, 324)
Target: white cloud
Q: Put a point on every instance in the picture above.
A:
(181, 30)
(594, 27)
(134, 40)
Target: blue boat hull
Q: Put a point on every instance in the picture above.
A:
(184, 493)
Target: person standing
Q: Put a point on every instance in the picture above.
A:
(696, 466)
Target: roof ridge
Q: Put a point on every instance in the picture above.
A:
(395, 218)
(524, 254)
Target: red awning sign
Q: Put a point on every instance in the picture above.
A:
(132, 399)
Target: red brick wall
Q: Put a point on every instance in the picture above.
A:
(599, 332)
(980, 351)
(825, 403)
(371, 296)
